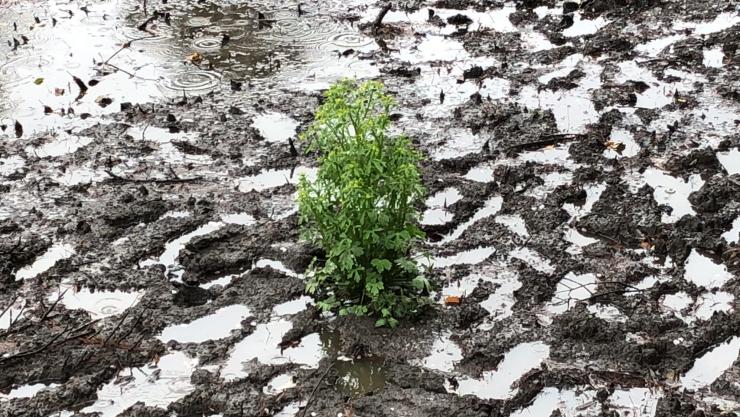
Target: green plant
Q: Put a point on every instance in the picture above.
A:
(361, 208)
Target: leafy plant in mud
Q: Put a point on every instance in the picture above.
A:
(361, 208)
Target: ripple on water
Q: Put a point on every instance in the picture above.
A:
(192, 82)
(347, 40)
(291, 30)
(207, 44)
(171, 384)
(100, 304)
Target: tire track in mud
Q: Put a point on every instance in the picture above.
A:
(589, 234)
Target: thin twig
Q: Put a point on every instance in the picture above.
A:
(379, 19)
(316, 387)
(120, 322)
(48, 310)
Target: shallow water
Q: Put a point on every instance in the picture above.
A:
(268, 59)
(711, 365)
(156, 385)
(497, 384)
(26, 391)
(100, 304)
(215, 326)
(43, 263)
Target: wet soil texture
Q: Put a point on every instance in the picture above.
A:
(583, 167)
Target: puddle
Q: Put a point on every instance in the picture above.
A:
(480, 173)
(279, 384)
(573, 109)
(733, 235)
(468, 257)
(80, 175)
(654, 47)
(292, 307)
(646, 283)
(622, 138)
(11, 165)
(570, 290)
(175, 215)
(242, 219)
(500, 304)
(577, 240)
(275, 127)
(437, 213)
(721, 22)
(9, 315)
(713, 57)
(172, 249)
(359, 376)
(583, 27)
(638, 402)
(533, 259)
(156, 386)
(556, 155)
(100, 304)
(495, 88)
(460, 288)
(634, 402)
(569, 403)
(438, 216)
(491, 207)
(444, 355)
(26, 391)
(223, 281)
(290, 410)
(673, 192)
(544, 11)
(278, 266)
(704, 272)
(62, 144)
(514, 222)
(460, 142)
(263, 346)
(435, 48)
(677, 303)
(711, 365)
(593, 193)
(683, 307)
(709, 303)
(215, 326)
(272, 178)
(659, 94)
(498, 384)
(730, 160)
(56, 253)
(607, 313)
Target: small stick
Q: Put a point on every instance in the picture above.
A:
(316, 387)
(46, 314)
(379, 19)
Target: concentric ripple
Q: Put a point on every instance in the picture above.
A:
(207, 44)
(347, 40)
(194, 82)
(295, 31)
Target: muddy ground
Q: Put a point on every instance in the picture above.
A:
(582, 162)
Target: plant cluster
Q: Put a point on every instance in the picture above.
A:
(361, 208)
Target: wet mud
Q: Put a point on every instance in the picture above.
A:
(582, 164)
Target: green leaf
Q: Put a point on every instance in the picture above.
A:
(360, 209)
(381, 265)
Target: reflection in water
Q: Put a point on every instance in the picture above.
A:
(191, 48)
(354, 377)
